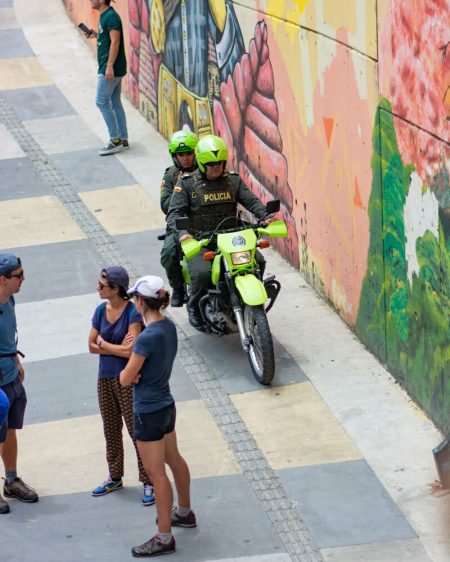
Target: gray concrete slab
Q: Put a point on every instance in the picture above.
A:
(76, 527)
(143, 249)
(20, 180)
(61, 388)
(397, 551)
(8, 19)
(73, 380)
(344, 504)
(227, 358)
(86, 170)
(38, 103)
(58, 270)
(181, 386)
(13, 44)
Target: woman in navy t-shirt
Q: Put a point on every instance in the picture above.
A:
(115, 327)
(149, 370)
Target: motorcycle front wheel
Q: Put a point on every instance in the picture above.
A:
(260, 353)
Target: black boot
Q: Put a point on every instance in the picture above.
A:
(178, 297)
(195, 318)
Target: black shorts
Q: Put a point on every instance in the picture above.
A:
(153, 426)
(17, 397)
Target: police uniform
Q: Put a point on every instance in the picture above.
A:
(207, 203)
(170, 252)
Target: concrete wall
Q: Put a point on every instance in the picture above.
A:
(341, 110)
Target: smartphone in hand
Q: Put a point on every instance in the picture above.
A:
(85, 29)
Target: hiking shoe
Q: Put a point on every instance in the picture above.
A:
(125, 144)
(108, 486)
(111, 148)
(188, 520)
(21, 491)
(154, 547)
(148, 498)
(4, 507)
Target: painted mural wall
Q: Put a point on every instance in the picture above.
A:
(341, 110)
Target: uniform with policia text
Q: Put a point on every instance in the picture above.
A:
(207, 203)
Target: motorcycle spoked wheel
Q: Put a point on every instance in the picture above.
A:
(260, 354)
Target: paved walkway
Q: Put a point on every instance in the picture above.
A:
(333, 463)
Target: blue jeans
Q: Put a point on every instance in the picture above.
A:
(110, 105)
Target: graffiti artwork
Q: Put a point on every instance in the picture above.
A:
(342, 111)
(189, 69)
(404, 313)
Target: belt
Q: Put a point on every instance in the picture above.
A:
(12, 354)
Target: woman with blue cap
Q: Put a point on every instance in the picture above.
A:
(115, 326)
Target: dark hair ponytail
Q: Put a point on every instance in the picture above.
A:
(162, 301)
(122, 293)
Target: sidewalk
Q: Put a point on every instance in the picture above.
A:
(333, 463)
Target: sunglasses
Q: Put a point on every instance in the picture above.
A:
(214, 164)
(19, 275)
(102, 285)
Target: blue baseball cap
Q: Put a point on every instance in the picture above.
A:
(117, 275)
(8, 263)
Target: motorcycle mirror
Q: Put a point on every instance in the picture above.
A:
(272, 206)
(183, 223)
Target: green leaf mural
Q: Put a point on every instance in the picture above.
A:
(406, 324)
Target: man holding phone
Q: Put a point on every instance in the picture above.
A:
(112, 67)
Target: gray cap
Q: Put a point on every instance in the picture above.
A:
(116, 275)
(8, 263)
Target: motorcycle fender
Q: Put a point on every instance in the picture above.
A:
(215, 271)
(251, 289)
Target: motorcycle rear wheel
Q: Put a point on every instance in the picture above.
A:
(260, 353)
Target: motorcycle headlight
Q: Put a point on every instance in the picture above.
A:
(241, 258)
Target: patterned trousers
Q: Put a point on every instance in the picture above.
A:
(116, 406)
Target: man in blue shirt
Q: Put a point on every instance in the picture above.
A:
(11, 378)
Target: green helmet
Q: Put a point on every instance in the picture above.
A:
(210, 149)
(182, 141)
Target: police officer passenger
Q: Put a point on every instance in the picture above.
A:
(207, 196)
(181, 147)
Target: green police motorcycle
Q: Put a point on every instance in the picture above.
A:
(239, 297)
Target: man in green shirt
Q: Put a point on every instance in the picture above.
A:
(112, 67)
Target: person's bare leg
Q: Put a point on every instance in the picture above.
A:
(152, 455)
(179, 468)
(9, 451)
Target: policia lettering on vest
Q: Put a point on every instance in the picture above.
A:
(207, 196)
(215, 197)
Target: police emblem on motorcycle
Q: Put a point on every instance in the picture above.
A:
(238, 241)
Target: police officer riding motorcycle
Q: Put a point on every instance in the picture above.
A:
(181, 148)
(208, 197)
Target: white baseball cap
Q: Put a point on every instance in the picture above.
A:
(147, 286)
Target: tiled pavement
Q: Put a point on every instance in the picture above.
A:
(275, 475)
